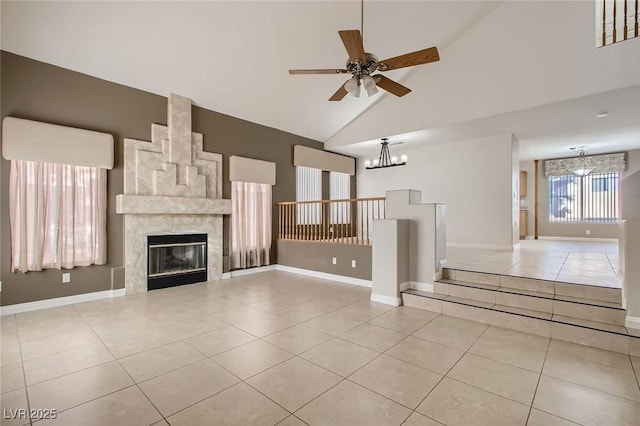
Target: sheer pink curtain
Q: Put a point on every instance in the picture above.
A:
(250, 224)
(58, 215)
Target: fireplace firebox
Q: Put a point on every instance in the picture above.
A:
(176, 260)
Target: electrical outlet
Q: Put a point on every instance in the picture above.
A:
(353, 263)
(588, 231)
(335, 261)
(66, 277)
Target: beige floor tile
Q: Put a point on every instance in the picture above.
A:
(194, 325)
(450, 331)
(79, 387)
(251, 359)
(417, 419)
(224, 409)
(57, 343)
(333, 323)
(11, 377)
(300, 313)
(148, 364)
(399, 381)
(48, 328)
(426, 354)
(239, 314)
(455, 403)
(601, 356)
(598, 376)
(512, 347)
(502, 379)
(221, 340)
(15, 409)
(294, 383)
(298, 339)
(61, 363)
(292, 421)
(365, 311)
(373, 337)
(134, 343)
(351, 404)
(275, 304)
(10, 354)
(635, 361)
(584, 405)
(186, 386)
(264, 325)
(128, 407)
(540, 418)
(340, 356)
(403, 319)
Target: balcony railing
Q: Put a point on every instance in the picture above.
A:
(330, 221)
(616, 20)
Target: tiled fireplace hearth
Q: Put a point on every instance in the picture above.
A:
(171, 187)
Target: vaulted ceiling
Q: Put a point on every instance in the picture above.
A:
(504, 67)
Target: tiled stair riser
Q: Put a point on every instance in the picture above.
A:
(603, 294)
(539, 302)
(566, 332)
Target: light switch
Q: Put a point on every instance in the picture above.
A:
(66, 277)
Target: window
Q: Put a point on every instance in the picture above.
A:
(340, 189)
(594, 198)
(58, 215)
(308, 188)
(250, 224)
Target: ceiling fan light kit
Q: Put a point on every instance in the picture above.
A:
(361, 65)
(385, 159)
(582, 168)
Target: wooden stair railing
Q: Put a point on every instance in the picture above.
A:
(617, 20)
(347, 221)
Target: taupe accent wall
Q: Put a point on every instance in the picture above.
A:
(37, 91)
(318, 257)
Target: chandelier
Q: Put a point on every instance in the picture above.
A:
(385, 159)
(582, 166)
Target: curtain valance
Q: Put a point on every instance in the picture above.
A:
(606, 163)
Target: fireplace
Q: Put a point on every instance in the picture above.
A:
(176, 260)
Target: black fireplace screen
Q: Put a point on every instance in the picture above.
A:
(176, 260)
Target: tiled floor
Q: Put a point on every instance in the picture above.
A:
(592, 263)
(277, 348)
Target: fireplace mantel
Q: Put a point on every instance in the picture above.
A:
(147, 204)
(171, 186)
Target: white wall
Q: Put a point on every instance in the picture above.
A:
(472, 177)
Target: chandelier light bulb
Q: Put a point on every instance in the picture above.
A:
(367, 163)
(403, 158)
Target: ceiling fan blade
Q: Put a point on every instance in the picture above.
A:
(325, 71)
(410, 59)
(390, 85)
(340, 93)
(352, 41)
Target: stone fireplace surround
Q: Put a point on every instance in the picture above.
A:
(171, 186)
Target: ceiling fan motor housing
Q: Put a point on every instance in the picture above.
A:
(359, 69)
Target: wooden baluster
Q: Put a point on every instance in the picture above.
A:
(280, 223)
(367, 216)
(351, 203)
(604, 22)
(635, 30)
(626, 29)
(614, 20)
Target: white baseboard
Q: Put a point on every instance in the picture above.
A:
(632, 322)
(249, 271)
(387, 300)
(60, 301)
(405, 286)
(422, 286)
(226, 275)
(324, 275)
(585, 239)
(481, 246)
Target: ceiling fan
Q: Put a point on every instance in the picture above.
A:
(362, 65)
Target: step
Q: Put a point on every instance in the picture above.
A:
(575, 330)
(585, 309)
(556, 288)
